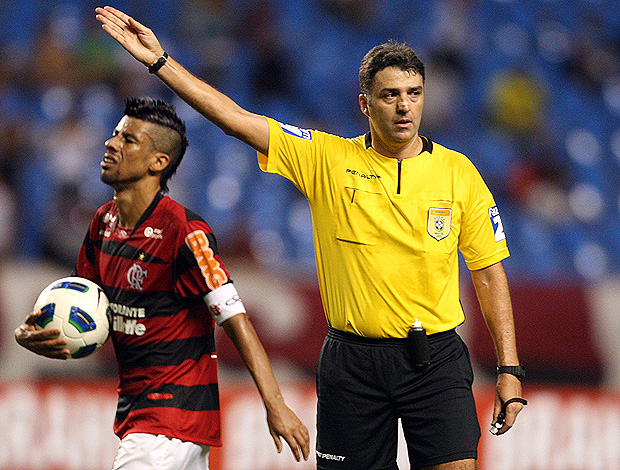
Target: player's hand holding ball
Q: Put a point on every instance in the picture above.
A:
(48, 342)
(70, 320)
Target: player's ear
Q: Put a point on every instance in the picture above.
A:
(364, 103)
(160, 162)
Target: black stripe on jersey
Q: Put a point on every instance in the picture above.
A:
(89, 250)
(186, 259)
(125, 250)
(192, 216)
(184, 262)
(156, 304)
(190, 398)
(165, 353)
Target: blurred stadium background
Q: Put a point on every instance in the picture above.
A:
(529, 90)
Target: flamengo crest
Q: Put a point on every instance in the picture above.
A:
(136, 276)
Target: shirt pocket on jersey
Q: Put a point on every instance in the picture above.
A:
(441, 219)
(361, 216)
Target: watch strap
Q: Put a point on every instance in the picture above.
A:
(517, 371)
(159, 64)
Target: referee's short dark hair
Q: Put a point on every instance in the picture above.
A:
(172, 139)
(389, 54)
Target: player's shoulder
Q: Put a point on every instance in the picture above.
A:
(105, 211)
(177, 216)
(106, 207)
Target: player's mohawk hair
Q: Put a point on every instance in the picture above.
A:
(163, 114)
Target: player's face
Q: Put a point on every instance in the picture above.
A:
(129, 153)
(394, 106)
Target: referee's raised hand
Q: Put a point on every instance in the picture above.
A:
(136, 38)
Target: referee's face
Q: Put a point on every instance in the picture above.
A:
(394, 106)
(130, 155)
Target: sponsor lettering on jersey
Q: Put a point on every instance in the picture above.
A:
(124, 319)
(210, 267)
(128, 326)
(124, 310)
(439, 222)
(156, 233)
(498, 227)
(109, 218)
(363, 175)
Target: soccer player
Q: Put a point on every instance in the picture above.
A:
(159, 265)
(390, 209)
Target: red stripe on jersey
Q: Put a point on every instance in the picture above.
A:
(137, 380)
(186, 424)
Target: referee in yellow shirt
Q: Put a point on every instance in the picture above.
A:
(391, 210)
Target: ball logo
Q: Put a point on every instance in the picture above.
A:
(136, 276)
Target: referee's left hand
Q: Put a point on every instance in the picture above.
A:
(507, 387)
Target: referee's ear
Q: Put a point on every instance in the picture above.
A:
(364, 103)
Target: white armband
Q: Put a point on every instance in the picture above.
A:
(224, 302)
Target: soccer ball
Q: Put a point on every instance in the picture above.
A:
(79, 309)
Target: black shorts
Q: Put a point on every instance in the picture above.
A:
(365, 385)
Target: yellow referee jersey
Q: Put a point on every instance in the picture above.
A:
(387, 232)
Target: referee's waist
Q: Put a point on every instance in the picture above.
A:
(353, 338)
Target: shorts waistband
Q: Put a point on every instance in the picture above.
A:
(353, 338)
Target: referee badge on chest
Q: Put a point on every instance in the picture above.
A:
(439, 221)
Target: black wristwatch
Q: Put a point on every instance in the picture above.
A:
(517, 371)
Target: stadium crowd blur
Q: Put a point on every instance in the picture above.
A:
(530, 91)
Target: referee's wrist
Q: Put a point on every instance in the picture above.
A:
(161, 61)
(517, 371)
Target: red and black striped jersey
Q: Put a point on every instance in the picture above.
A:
(155, 276)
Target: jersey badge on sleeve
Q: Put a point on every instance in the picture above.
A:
(498, 227)
(296, 131)
(439, 222)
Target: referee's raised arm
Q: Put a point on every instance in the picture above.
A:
(143, 45)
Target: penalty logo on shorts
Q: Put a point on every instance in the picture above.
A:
(439, 222)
